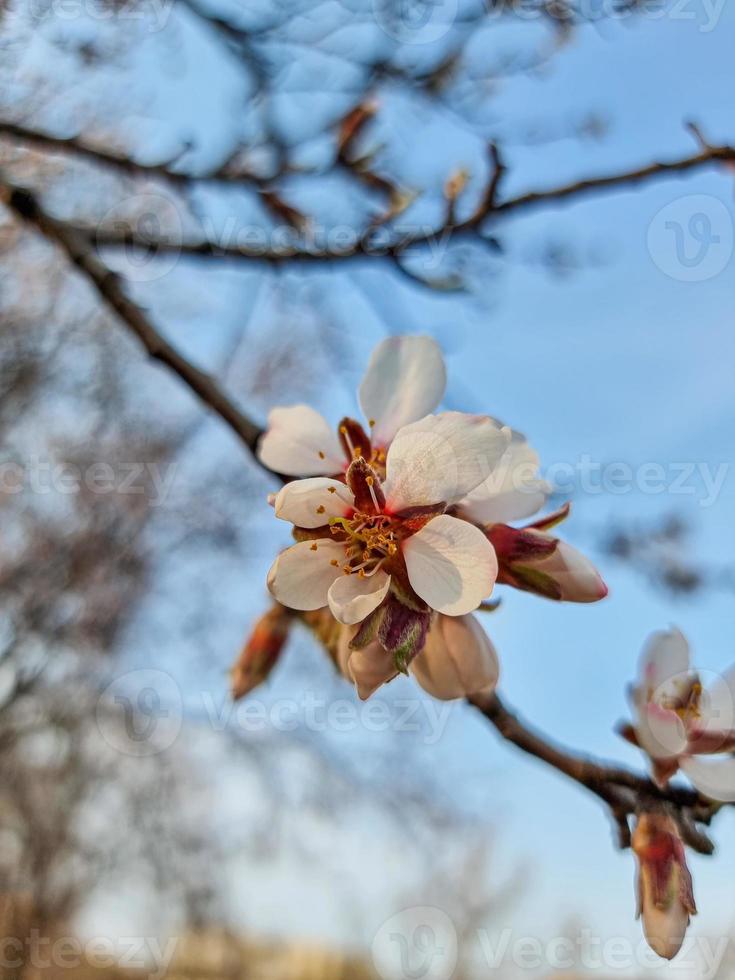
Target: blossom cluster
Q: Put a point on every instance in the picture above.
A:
(403, 525)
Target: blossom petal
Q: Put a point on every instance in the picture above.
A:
(300, 442)
(405, 380)
(451, 565)
(458, 659)
(718, 703)
(442, 458)
(368, 668)
(665, 657)
(713, 777)
(310, 503)
(661, 733)
(512, 491)
(301, 576)
(352, 598)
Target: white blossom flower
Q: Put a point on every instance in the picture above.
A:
(405, 381)
(678, 724)
(363, 538)
(665, 893)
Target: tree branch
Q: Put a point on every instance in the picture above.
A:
(26, 206)
(625, 792)
(398, 245)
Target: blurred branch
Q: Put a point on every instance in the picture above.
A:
(26, 206)
(624, 792)
(362, 246)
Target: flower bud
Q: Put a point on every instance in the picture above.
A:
(535, 561)
(368, 668)
(665, 896)
(261, 651)
(457, 660)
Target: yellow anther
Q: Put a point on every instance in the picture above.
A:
(321, 455)
(369, 480)
(343, 429)
(320, 509)
(313, 547)
(361, 573)
(371, 422)
(334, 562)
(332, 489)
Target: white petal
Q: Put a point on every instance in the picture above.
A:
(300, 442)
(714, 777)
(311, 502)
(665, 656)
(512, 491)
(457, 660)
(718, 703)
(451, 565)
(352, 598)
(660, 732)
(442, 458)
(405, 380)
(368, 668)
(301, 576)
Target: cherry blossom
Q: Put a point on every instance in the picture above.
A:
(361, 538)
(678, 723)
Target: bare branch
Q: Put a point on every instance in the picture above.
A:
(625, 792)
(107, 284)
(361, 246)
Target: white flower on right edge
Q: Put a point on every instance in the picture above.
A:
(678, 723)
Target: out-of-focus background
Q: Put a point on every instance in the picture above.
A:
(151, 827)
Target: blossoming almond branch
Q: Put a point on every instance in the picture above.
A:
(403, 524)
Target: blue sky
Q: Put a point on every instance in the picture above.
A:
(619, 361)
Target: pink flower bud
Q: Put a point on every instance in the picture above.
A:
(665, 896)
(457, 660)
(261, 651)
(536, 561)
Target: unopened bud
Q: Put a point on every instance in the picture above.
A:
(535, 561)
(261, 651)
(665, 895)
